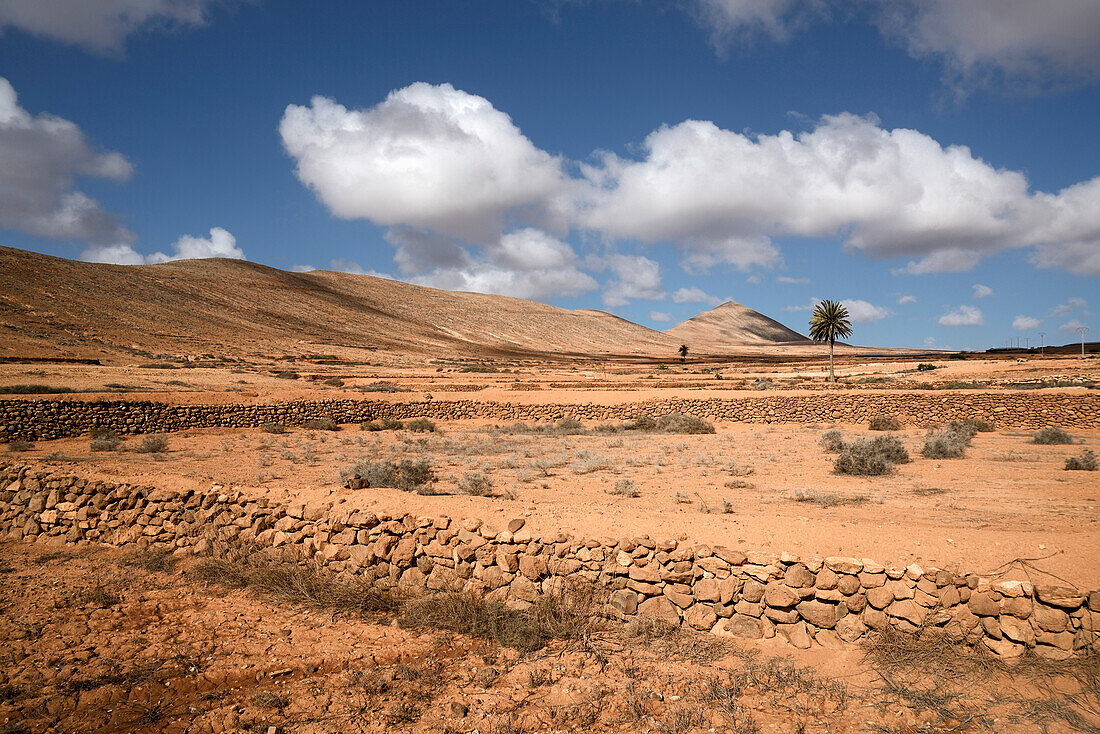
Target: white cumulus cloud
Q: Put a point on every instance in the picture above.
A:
(723, 196)
(527, 263)
(635, 277)
(660, 316)
(982, 291)
(41, 156)
(694, 294)
(963, 316)
(1020, 38)
(902, 300)
(1072, 326)
(974, 40)
(1026, 323)
(862, 312)
(788, 280)
(426, 157)
(101, 25)
(220, 243)
(446, 171)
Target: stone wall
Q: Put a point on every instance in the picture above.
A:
(45, 419)
(808, 601)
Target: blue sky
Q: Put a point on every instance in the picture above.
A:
(933, 164)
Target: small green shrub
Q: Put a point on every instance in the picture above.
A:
(420, 425)
(1085, 462)
(277, 428)
(884, 422)
(925, 367)
(475, 484)
(153, 445)
(1051, 436)
(832, 441)
(321, 424)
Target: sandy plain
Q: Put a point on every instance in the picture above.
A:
(1007, 499)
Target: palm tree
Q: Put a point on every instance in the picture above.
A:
(683, 352)
(828, 323)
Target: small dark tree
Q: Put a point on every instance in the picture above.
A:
(683, 353)
(828, 323)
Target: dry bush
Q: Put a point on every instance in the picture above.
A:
(832, 441)
(1051, 436)
(949, 442)
(334, 382)
(283, 579)
(321, 424)
(33, 389)
(672, 423)
(153, 445)
(381, 387)
(420, 425)
(762, 384)
(287, 375)
(385, 424)
(567, 615)
(475, 484)
(18, 445)
(1085, 462)
(149, 560)
(884, 422)
(105, 439)
(625, 488)
(408, 475)
(586, 463)
(827, 499)
(871, 458)
(980, 425)
(276, 428)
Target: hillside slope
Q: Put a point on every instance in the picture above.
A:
(55, 307)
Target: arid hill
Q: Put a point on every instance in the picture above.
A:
(732, 323)
(53, 307)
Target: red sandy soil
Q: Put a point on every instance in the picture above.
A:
(1007, 499)
(93, 644)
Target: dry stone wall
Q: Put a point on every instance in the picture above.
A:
(46, 419)
(808, 601)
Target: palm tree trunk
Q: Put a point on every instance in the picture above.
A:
(832, 377)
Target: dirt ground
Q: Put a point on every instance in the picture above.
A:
(753, 487)
(92, 645)
(99, 640)
(529, 381)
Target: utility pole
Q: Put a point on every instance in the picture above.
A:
(1082, 330)
(1042, 344)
